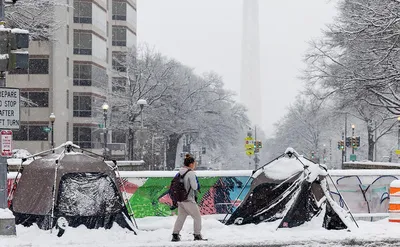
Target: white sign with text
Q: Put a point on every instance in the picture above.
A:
(9, 108)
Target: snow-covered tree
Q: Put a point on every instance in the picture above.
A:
(358, 55)
(148, 76)
(37, 16)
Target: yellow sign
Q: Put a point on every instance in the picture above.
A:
(250, 152)
(397, 152)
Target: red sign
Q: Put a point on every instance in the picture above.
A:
(6, 143)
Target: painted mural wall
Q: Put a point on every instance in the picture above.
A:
(148, 196)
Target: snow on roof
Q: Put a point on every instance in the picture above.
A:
(3, 56)
(18, 30)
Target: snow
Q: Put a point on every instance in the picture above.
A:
(171, 174)
(18, 30)
(156, 231)
(3, 56)
(285, 167)
(368, 162)
(20, 52)
(6, 214)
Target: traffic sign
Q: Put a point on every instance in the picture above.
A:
(6, 143)
(9, 108)
(397, 152)
(47, 129)
(353, 157)
(250, 152)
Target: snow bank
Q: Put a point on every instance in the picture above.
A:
(156, 231)
(6, 214)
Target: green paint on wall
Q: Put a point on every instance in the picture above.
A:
(145, 201)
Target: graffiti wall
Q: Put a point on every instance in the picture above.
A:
(149, 196)
(364, 191)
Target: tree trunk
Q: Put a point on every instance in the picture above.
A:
(171, 151)
(371, 143)
(131, 143)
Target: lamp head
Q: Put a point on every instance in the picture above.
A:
(52, 117)
(353, 126)
(142, 102)
(105, 106)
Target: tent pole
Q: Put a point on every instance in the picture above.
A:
(248, 180)
(348, 209)
(124, 195)
(54, 191)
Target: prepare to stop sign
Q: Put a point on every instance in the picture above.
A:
(9, 108)
(6, 143)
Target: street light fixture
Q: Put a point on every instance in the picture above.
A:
(141, 103)
(105, 109)
(52, 118)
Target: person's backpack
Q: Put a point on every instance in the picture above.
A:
(177, 190)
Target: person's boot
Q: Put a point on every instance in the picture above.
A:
(176, 237)
(198, 237)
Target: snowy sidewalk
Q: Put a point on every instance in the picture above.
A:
(156, 231)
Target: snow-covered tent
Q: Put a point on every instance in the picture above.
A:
(69, 185)
(291, 189)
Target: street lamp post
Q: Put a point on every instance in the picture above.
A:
(398, 134)
(352, 136)
(52, 118)
(141, 103)
(105, 109)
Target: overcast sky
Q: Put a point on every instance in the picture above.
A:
(206, 35)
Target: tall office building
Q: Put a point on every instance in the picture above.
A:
(250, 88)
(70, 76)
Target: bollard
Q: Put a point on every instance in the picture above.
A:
(394, 202)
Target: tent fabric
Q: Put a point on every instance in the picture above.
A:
(86, 193)
(294, 196)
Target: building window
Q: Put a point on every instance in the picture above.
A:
(83, 137)
(119, 61)
(82, 11)
(82, 106)
(67, 132)
(67, 34)
(82, 43)
(67, 66)
(89, 75)
(37, 99)
(31, 133)
(38, 66)
(82, 74)
(107, 30)
(119, 11)
(67, 99)
(119, 36)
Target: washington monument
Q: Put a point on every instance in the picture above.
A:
(250, 87)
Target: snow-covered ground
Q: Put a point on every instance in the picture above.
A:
(156, 231)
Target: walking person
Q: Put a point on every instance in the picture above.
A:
(188, 206)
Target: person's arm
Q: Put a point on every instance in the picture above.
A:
(193, 180)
